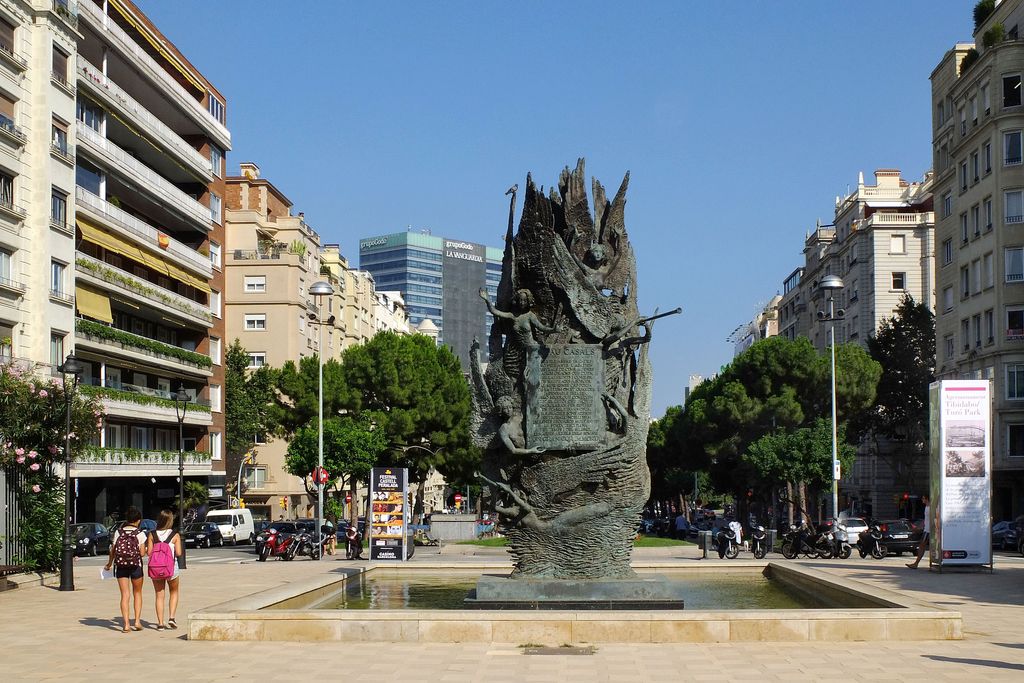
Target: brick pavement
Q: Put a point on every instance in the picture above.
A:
(49, 635)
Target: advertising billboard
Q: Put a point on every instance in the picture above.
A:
(388, 523)
(961, 473)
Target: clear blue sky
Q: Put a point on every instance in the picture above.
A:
(740, 123)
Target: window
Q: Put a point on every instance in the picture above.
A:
(972, 106)
(963, 228)
(56, 348)
(947, 205)
(215, 398)
(949, 344)
(255, 477)
(90, 114)
(853, 290)
(1014, 440)
(974, 167)
(1015, 325)
(984, 99)
(1014, 201)
(1011, 91)
(897, 244)
(256, 321)
(977, 329)
(255, 283)
(947, 299)
(260, 439)
(215, 446)
(947, 252)
(215, 350)
(59, 136)
(988, 265)
(976, 275)
(940, 113)
(963, 122)
(965, 283)
(57, 278)
(6, 36)
(965, 333)
(6, 190)
(1011, 148)
(5, 265)
(1014, 381)
(216, 160)
(987, 206)
(990, 326)
(89, 178)
(963, 176)
(257, 360)
(302, 324)
(899, 281)
(60, 66)
(987, 154)
(215, 208)
(215, 107)
(215, 255)
(215, 303)
(58, 208)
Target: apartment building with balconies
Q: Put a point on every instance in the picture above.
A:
(149, 141)
(978, 148)
(881, 243)
(389, 312)
(272, 259)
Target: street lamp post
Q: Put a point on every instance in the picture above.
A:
(181, 401)
(71, 367)
(831, 283)
(318, 290)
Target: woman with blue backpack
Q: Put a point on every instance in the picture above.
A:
(164, 549)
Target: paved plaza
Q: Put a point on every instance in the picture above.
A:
(49, 635)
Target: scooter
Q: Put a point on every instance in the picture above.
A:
(278, 545)
(759, 541)
(728, 545)
(303, 544)
(802, 540)
(870, 542)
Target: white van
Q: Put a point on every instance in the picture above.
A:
(235, 525)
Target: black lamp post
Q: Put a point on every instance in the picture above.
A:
(181, 401)
(71, 367)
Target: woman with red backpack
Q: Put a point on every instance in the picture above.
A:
(126, 553)
(164, 549)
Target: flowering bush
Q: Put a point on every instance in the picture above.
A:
(32, 451)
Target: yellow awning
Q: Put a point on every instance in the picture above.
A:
(158, 46)
(110, 242)
(93, 304)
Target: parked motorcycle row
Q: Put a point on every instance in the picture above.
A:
(821, 542)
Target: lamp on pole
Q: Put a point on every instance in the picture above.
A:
(181, 401)
(318, 290)
(829, 284)
(71, 367)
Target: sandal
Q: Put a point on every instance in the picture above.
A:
(136, 628)
(125, 629)
(171, 624)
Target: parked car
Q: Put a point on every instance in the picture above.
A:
(236, 525)
(202, 534)
(284, 528)
(1004, 535)
(147, 525)
(91, 538)
(853, 526)
(899, 537)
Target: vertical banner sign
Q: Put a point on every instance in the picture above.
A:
(389, 496)
(961, 472)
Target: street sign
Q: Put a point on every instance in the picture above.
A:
(324, 476)
(458, 497)
(348, 497)
(836, 473)
(319, 475)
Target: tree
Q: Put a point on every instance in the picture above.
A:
(896, 427)
(248, 404)
(672, 473)
(297, 399)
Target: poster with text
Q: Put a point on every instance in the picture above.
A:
(389, 496)
(961, 472)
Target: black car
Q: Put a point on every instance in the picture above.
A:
(202, 535)
(90, 539)
(899, 536)
(283, 528)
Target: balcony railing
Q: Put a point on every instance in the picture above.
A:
(133, 456)
(1014, 335)
(62, 296)
(8, 128)
(161, 188)
(87, 329)
(157, 128)
(156, 73)
(888, 218)
(64, 152)
(154, 293)
(8, 54)
(132, 393)
(11, 285)
(67, 10)
(139, 229)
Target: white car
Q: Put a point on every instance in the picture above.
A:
(852, 526)
(236, 525)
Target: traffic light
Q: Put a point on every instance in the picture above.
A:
(284, 501)
(906, 496)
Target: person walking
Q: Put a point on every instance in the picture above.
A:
(164, 550)
(923, 546)
(126, 553)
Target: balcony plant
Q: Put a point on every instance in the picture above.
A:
(982, 11)
(969, 58)
(140, 399)
(136, 455)
(996, 34)
(31, 451)
(113, 334)
(297, 247)
(114, 276)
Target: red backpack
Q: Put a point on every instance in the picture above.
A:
(126, 548)
(161, 557)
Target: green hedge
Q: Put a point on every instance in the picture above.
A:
(128, 339)
(136, 397)
(111, 275)
(123, 455)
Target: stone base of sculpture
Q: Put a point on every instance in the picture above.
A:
(638, 592)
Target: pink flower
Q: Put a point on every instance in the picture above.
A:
(36, 488)
(34, 466)
(33, 454)
(19, 451)
(42, 393)
(20, 459)
(52, 449)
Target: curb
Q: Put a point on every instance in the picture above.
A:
(29, 580)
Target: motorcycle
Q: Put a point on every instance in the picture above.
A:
(840, 540)
(728, 544)
(278, 545)
(802, 540)
(759, 541)
(304, 544)
(870, 542)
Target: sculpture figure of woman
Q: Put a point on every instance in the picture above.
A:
(525, 326)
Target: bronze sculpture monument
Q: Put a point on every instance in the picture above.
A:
(562, 404)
